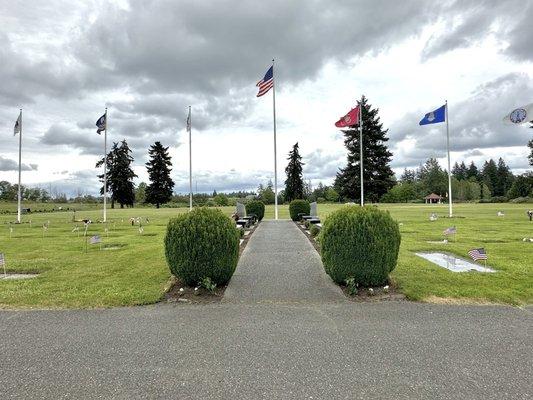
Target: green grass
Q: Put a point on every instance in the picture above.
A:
(136, 273)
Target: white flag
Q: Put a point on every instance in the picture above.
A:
(520, 115)
(18, 124)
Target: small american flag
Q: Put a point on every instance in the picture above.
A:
(2, 259)
(95, 239)
(450, 231)
(266, 83)
(478, 254)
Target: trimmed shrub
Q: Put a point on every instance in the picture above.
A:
(297, 207)
(203, 243)
(360, 243)
(256, 207)
(313, 230)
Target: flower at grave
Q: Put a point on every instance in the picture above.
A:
(386, 289)
(371, 292)
(181, 290)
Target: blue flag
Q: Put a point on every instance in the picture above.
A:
(439, 115)
(101, 124)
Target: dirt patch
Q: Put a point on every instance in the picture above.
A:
(177, 292)
(363, 294)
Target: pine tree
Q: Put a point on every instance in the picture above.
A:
(119, 175)
(408, 176)
(530, 145)
(159, 191)
(377, 174)
(294, 185)
(472, 171)
(124, 192)
(504, 180)
(490, 176)
(433, 178)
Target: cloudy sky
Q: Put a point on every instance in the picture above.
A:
(64, 61)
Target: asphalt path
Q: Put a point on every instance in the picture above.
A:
(265, 346)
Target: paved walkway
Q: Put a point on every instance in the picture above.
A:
(283, 332)
(279, 265)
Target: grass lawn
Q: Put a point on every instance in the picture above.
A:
(135, 271)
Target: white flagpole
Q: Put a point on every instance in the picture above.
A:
(361, 148)
(105, 167)
(19, 192)
(189, 127)
(449, 167)
(275, 145)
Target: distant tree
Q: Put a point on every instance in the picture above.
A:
(460, 171)
(522, 186)
(266, 194)
(490, 176)
(504, 180)
(472, 171)
(377, 174)
(140, 193)
(214, 193)
(331, 195)
(530, 145)
(159, 191)
(119, 175)
(408, 176)
(294, 184)
(221, 200)
(433, 178)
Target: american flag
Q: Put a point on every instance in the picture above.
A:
(478, 254)
(450, 231)
(266, 83)
(18, 124)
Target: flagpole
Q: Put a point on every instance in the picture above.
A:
(449, 167)
(19, 191)
(105, 168)
(190, 159)
(275, 145)
(361, 149)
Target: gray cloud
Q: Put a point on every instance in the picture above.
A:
(6, 164)
(475, 123)
(468, 21)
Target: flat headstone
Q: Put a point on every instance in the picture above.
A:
(314, 211)
(453, 263)
(240, 210)
(8, 277)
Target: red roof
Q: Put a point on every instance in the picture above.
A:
(433, 196)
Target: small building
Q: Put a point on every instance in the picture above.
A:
(433, 198)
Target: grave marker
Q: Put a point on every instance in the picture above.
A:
(240, 210)
(314, 211)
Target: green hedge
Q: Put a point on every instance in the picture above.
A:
(256, 207)
(297, 207)
(203, 243)
(360, 243)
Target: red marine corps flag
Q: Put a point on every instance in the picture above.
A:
(350, 119)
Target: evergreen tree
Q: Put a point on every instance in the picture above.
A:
(472, 171)
(504, 180)
(530, 145)
(433, 178)
(490, 176)
(119, 175)
(408, 176)
(377, 174)
(294, 185)
(459, 171)
(159, 191)
(140, 193)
